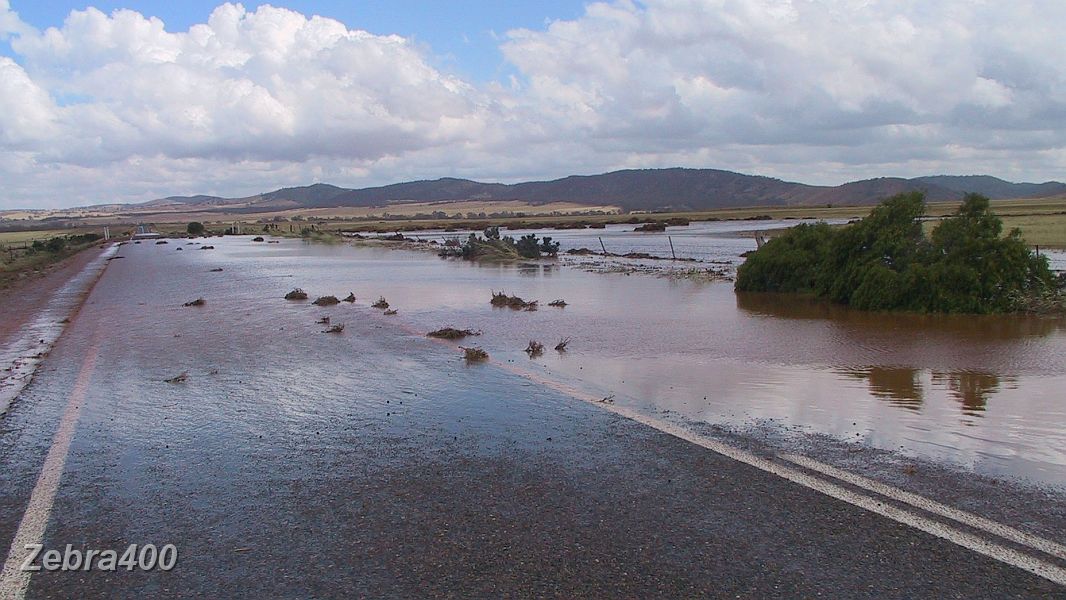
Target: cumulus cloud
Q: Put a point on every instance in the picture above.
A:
(116, 106)
(696, 74)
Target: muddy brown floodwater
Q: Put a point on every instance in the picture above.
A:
(978, 393)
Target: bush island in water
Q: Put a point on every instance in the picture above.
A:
(885, 262)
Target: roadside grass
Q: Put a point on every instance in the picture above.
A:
(19, 264)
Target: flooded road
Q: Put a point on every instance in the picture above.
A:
(292, 463)
(981, 393)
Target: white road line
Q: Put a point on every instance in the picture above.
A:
(13, 581)
(969, 541)
(923, 503)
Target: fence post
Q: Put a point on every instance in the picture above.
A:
(672, 247)
(602, 247)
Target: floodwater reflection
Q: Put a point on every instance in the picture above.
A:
(910, 383)
(971, 389)
(973, 327)
(900, 387)
(904, 387)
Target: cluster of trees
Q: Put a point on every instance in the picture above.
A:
(493, 245)
(886, 262)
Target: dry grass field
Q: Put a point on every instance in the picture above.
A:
(1042, 221)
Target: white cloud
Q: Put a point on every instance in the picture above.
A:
(823, 91)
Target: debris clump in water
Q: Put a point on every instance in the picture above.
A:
(178, 378)
(501, 299)
(534, 349)
(475, 354)
(296, 294)
(451, 333)
(197, 302)
(381, 303)
(326, 301)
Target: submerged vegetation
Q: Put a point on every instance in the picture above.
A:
(451, 333)
(493, 246)
(475, 354)
(501, 300)
(886, 262)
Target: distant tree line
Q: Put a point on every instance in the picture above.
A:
(886, 262)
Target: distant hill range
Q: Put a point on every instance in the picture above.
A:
(643, 189)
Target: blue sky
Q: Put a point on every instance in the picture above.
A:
(462, 36)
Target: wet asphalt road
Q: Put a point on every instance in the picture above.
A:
(387, 468)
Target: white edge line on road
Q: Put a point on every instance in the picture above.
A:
(969, 541)
(923, 503)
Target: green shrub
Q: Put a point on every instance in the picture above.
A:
(884, 262)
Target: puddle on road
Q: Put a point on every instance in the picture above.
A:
(979, 392)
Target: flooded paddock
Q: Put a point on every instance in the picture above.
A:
(981, 393)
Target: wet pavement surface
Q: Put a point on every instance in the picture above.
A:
(297, 464)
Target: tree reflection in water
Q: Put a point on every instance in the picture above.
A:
(899, 386)
(971, 389)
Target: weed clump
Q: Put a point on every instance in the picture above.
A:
(450, 333)
(381, 303)
(475, 355)
(296, 294)
(501, 299)
(558, 303)
(178, 378)
(350, 297)
(258, 238)
(563, 343)
(326, 301)
(323, 321)
(338, 328)
(534, 348)
(197, 302)
(391, 312)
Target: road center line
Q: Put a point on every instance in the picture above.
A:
(31, 530)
